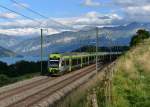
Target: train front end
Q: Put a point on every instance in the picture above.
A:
(53, 64)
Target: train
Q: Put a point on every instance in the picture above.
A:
(59, 64)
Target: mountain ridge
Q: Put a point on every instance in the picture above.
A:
(70, 40)
(7, 53)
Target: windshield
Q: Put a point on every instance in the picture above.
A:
(53, 63)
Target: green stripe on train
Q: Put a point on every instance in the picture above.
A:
(53, 70)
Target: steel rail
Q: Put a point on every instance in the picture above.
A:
(30, 100)
(22, 88)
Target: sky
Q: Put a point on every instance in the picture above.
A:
(70, 14)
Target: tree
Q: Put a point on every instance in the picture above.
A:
(139, 37)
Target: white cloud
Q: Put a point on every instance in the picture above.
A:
(24, 23)
(8, 15)
(138, 10)
(134, 10)
(65, 40)
(19, 31)
(131, 10)
(25, 31)
(91, 3)
(18, 24)
(126, 3)
(91, 19)
(27, 27)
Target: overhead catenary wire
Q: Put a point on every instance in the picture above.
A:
(62, 26)
(27, 17)
(41, 15)
(17, 23)
(29, 9)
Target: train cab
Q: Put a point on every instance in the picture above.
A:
(54, 63)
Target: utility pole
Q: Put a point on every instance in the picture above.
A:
(80, 44)
(42, 30)
(96, 50)
(41, 50)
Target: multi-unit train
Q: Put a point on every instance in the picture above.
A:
(61, 63)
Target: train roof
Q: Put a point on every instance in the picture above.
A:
(77, 54)
(67, 55)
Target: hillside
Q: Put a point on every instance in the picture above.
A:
(69, 40)
(91, 48)
(7, 41)
(6, 53)
(132, 78)
(129, 86)
(65, 42)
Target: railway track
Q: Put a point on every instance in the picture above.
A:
(33, 93)
(7, 88)
(26, 87)
(40, 96)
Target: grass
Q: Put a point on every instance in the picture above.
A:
(131, 83)
(5, 80)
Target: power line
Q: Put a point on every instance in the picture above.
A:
(37, 13)
(19, 14)
(29, 9)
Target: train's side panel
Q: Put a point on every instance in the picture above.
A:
(77, 60)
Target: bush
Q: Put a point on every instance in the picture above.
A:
(22, 68)
(139, 37)
(4, 80)
(19, 71)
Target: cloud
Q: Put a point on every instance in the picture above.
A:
(91, 3)
(128, 3)
(25, 31)
(130, 10)
(134, 10)
(25, 23)
(91, 19)
(8, 15)
(19, 31)
(27, 27)
(65, 39)
(138, 10)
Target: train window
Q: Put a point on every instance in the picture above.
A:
(53, 63)
(84, 59)
(90, 58)
(63, 63)
(79, 61)
(54, 58)
(67, 62)
(74, 61)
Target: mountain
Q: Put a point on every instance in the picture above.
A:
(7, 53)
(130, 26)
(69, 40)
(7, 41)
(65, 41)
(91, 48)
